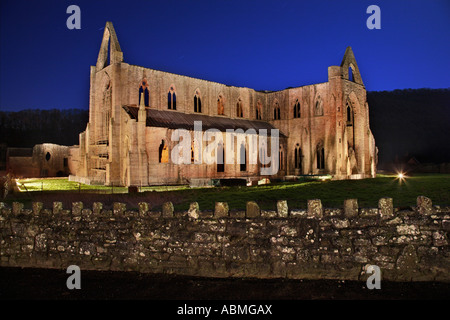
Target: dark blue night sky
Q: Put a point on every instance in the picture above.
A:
(264, 45)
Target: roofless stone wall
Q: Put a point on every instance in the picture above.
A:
(316, 243)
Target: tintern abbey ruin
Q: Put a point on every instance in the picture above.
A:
(133, 111)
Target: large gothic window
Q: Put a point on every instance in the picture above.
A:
(297, 109)
(171, 99)
(349, 113)
(197, 102)
(144, 90)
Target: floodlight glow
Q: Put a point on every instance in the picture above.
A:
(401, 176)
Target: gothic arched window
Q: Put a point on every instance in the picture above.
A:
(197, 102)
(320, 156)
(350, 74)
(171, 99)
(276, 112)
(297, 109)
(144, 90)
(349, 112)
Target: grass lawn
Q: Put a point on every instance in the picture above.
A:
(63, 184)
(332, 193)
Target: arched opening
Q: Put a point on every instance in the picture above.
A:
(350, 74)
(320, 157)
(349, 115)
(297, 109)
(47, 156)
(163, 152)
(171, 100)
(239, 109)
(143, 89)
(197, 103)
(295, 159)
(276, 112)
(281, 159)
(298, 158)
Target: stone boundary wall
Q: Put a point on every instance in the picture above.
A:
(315, 243)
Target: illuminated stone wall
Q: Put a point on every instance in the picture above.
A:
(116, 149)
(314, 243)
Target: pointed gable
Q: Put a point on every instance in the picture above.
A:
(115, 53)
(349, 63)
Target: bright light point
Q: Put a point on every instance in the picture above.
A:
(401, 176)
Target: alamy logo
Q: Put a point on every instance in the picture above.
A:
(74, 281)
(239, 147)
(74, 21)
(374, 281)
(374, 21)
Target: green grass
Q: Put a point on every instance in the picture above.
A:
(60, 184)
(63, 184)
(332, 193)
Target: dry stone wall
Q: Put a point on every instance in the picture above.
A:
(314, 243)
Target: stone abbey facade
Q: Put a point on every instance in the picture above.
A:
(133, 111)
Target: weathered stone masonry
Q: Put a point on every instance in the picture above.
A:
(315, 243)
(324, 127)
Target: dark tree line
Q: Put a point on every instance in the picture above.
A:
(411, 123)
(27, 128)
(406, 123)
